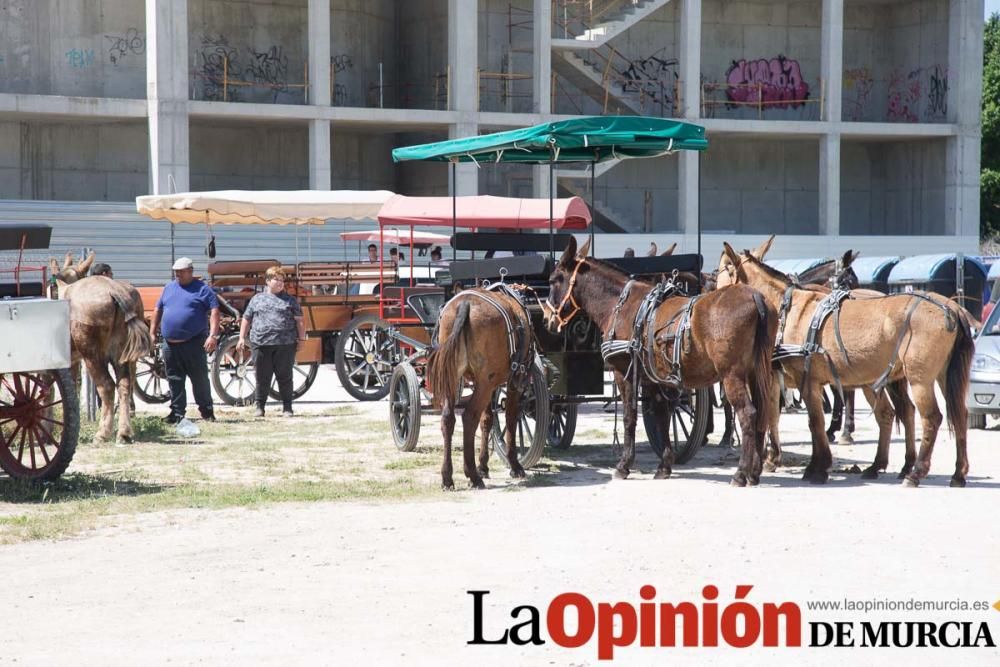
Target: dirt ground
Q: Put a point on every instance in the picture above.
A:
(385, 581)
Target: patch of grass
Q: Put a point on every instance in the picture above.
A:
(411, 463)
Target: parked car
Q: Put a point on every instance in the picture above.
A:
(984, 382)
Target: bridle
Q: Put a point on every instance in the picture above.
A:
(568, 297)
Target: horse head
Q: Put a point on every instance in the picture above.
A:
(844, 276)
(730, 271)
(561, 306)
(69, 273)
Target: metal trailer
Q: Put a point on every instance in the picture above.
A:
(39, 410)
(961, 278)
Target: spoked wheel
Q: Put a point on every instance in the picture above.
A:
(688, 422)
(532, 425)
(562, 424)
(303, 376)
(151, 378)
(39, 423)
(365, 355)
(233, 373)
(404, 407)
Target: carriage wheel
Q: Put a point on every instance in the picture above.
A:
(39, 423)
(688, 424)
(404, 407)
(530, 437)
(233, 373)
(151, 378)
(562, 424)
(303, 376)
(364, 356)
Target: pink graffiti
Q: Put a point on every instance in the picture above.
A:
(776, 82)
(904, 96)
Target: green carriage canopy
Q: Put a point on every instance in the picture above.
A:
(589, 139)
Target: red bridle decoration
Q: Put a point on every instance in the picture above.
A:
(560, 320)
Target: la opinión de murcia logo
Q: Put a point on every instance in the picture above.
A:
(571, 620)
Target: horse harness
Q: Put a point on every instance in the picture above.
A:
(830, 305)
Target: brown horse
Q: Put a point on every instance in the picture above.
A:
(106, 327)
(481, 333)
(919, 338)
(728, 340)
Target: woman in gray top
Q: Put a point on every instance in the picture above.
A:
(274, 321)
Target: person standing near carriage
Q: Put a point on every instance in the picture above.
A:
(187, 313)
(273, 320)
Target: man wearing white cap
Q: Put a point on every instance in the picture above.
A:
(188, 314)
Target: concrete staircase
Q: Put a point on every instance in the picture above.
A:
(605, 217)
(611, 25)
(588, 77)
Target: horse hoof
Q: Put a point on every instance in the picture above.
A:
(477, 484)
(845, 439)
(957, 482)
(518, 473)
(448, 486)
(125, 439)
(621, 474)
(870, 473)
(484, 473)
(663, 474)
(910, 482)
(904, 472)
(770, 467)
(738, 480)
(816, 476)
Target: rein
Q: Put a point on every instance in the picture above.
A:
(557, 312)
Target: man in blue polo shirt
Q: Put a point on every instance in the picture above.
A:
(187, 313)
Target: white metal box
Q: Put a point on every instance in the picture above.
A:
(34, 335)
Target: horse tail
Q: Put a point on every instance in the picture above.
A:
(136, 332)
(760, 386)
(895, 392)
(957, 375)
(442, 364)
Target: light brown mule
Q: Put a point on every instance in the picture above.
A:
(919, 340)
(474, 345)
(729, 342)
(107, 326)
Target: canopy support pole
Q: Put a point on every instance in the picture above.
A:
(700, 285)
(593, 198)
(552, 189)
(454, 209)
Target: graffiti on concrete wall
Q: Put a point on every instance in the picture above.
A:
(80, 58)
(224, 69)
(777, 82)
(937, 92)
(341, 62)
(268, 67)
(339, 95)
(131, 42)
(858, 85)
(653, 77)
(215, 61)
(903, 104)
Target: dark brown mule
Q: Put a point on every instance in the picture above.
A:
(106, 327)
(921, 339)
(729, 341)
(475, 344)
(893, 404)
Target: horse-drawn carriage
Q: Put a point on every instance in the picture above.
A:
(39, 412)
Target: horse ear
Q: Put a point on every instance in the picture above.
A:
(584, 250)
(67, 261)
(854, 255)
(763, 248)
(53, 266)
(652, 249)
(83, 267)
(670, 250)
(734, 260)
(569, 253)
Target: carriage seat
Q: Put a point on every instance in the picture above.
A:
(342, 277)
(524, 269)
(240, 274)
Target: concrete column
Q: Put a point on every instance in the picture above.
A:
(690, 49)
(320, 170)
(832, 58)
(463, 62)
(829, 184)
(542, 62)
(320, 165)
(167, 95)
(965, 74)
(688, 195)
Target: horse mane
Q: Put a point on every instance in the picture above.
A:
(820, 272)
(768, 270)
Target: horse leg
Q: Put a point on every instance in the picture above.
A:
(961, 428)
(930, 418)
(124, 377)
(106, 391)
(513, 417)
(818, 470)
(773, 458)
(836, 416)
(736, 390)
(485, 426)
(479, 401)
(447, 430)
(627, 392)
(905, 413)
(884, 414)
(661, 412)
(727, 435)
(847, 432)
